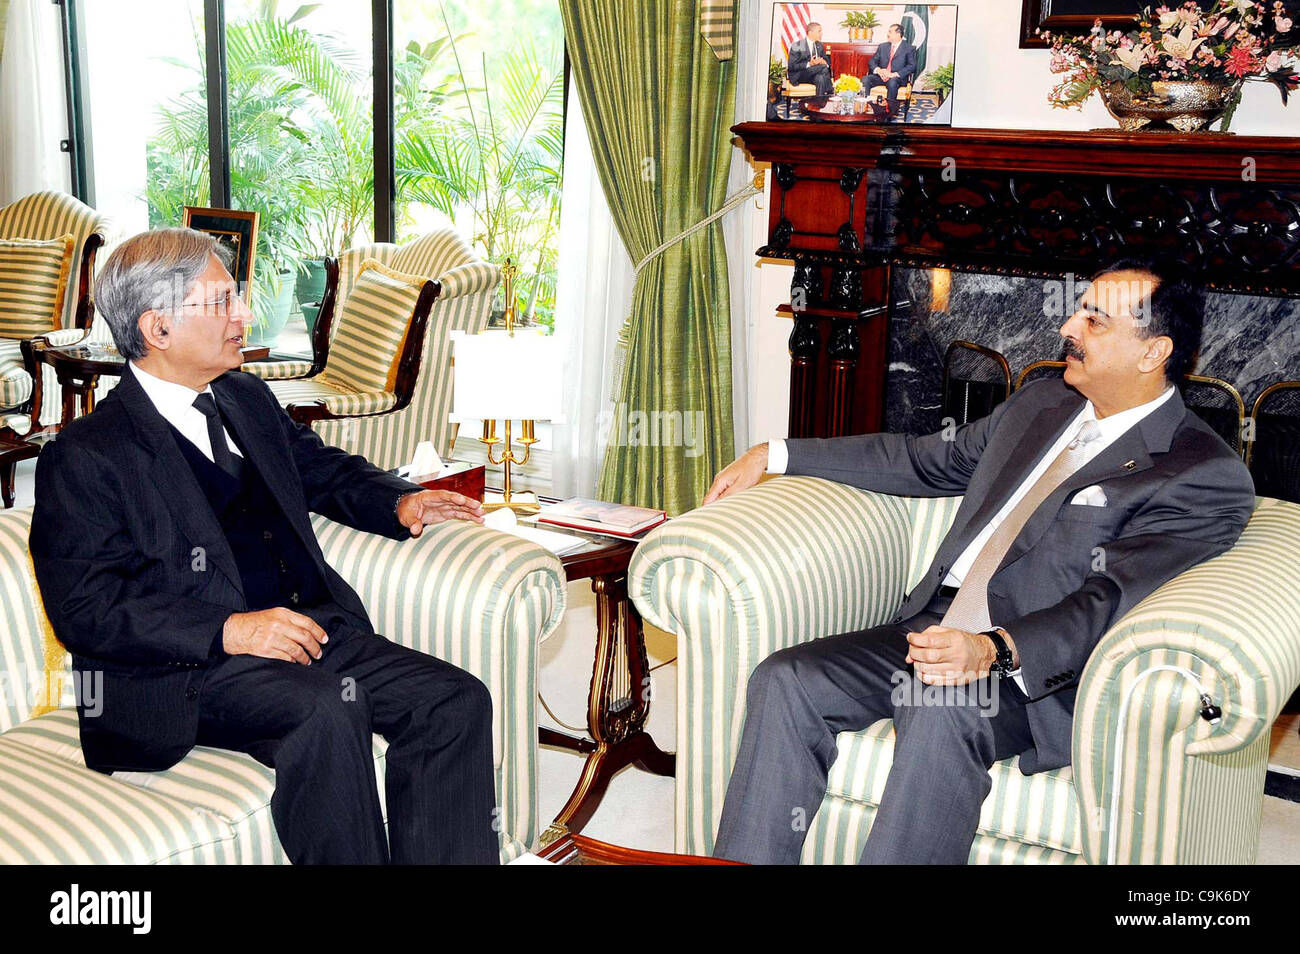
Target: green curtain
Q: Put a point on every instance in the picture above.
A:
(658, 105)
(922, 11)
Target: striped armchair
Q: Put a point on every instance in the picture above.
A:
(474, 597)
(385, 435)
(44, 216)
(796, 558)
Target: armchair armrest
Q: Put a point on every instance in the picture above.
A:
(1230, 628)
(278, 370)
(783, 563)
(480, 600)
(467, 279)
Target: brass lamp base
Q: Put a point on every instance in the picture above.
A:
(523, 504)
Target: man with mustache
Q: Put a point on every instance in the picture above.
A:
(1081, 496)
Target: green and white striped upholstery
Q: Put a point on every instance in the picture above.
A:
(15, 382)
(474, 597)
(279, 370)
(48, 215)
(796, 558)
(336, 396)
(464, 303)
(33, 284)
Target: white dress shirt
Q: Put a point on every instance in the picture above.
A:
(175, 402)
(1112, 427)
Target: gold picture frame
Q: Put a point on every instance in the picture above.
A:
(236, 230)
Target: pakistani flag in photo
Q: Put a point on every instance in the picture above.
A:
(916, 27)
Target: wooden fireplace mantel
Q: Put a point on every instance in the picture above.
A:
(851, 202)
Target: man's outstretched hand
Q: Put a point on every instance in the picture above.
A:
(276, 633)
(741, 474)
(423, 507)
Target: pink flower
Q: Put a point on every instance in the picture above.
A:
(1283, 24)
(1274, 61)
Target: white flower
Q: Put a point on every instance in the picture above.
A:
(1182, 45)
(1132, 58)
(1169, 20)
(1243, 6)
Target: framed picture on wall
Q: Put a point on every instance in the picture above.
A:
(862, 62)
(237, 231)
(1073, 16)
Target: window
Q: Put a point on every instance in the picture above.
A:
(148, 134)
(299, 90)
(479, 123)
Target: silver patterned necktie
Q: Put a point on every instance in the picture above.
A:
(970, 607)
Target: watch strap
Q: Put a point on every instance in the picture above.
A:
(1003, 663)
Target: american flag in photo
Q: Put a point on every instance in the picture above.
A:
(794, 22)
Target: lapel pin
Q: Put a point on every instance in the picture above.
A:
(1130, 464)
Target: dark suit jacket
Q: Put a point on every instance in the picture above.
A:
(904, 61)
(800, 54)
(135, 572)
(1176, 495)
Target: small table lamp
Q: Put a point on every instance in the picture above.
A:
(510, 375)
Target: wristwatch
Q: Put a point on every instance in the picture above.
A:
(1003, 663)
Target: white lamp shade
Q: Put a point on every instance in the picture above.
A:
(502, 377)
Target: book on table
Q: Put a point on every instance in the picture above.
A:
(597, 516)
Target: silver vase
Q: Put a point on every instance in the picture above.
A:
(1186, 105)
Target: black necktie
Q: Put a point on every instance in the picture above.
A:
(221, 453)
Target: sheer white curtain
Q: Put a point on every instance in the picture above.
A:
(592, 300)
(743, 228)
(33, 111)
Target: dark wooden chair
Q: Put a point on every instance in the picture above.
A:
(976, 379)
(1218, 404)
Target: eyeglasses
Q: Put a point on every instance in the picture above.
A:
(223, 304)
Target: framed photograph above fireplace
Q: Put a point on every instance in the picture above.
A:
(863, 62)
(1073, 16)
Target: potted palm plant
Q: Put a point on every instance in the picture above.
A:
(861, 24)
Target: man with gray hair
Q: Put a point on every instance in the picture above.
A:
(173, 548)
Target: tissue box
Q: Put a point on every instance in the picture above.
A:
(458, 475)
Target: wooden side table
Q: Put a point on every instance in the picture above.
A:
(570, 849)
(618, 702)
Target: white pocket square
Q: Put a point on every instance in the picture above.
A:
(1092, 496)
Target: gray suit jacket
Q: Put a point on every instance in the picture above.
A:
(1176, 496)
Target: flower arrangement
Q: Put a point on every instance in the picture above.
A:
(1231, 42)
(845, 83)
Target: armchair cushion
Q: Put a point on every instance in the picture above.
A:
(372, 328)
(1034, 810)
(56, 812)
(49, 215)
(33, 285)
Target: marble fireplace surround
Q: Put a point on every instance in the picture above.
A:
(867, 214)
(1249, 341)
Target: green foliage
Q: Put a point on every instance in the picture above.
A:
(775, 71)
(301, 147)
(940, 78)
(860, 20)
